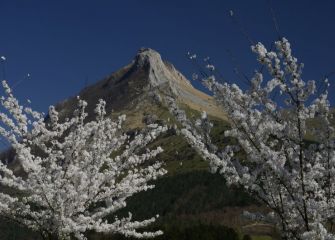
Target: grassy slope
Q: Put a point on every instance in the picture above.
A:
(189, 195)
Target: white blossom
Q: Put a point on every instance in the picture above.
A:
(293, 177)
(192, 56)
(210, 67)
(76, 172)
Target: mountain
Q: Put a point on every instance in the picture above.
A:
(192, 202)
(143, 83)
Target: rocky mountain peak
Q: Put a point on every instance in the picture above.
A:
(159, 73)
(148, 56)
(146, 78)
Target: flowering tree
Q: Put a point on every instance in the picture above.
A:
(75, 172)
(285, 154)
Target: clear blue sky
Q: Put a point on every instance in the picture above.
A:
(61, 43)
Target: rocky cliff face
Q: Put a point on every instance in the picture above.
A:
(147, 79)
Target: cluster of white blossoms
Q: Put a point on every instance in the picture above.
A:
(76, 173)
(286, 144)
